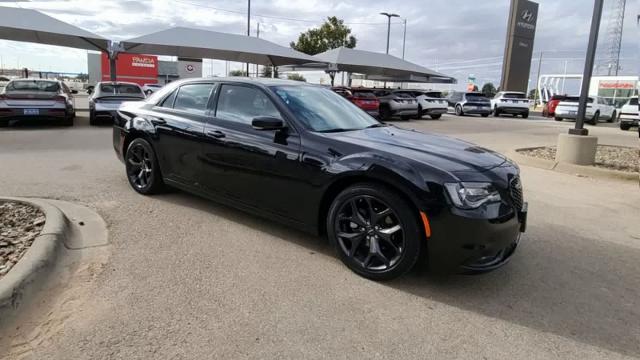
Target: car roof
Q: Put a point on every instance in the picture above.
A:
(117, 83)
(35, 79)
(246, 80)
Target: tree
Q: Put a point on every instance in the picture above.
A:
(266, 72)
(330, 35)
(237, 73)
(82, 77)
(532, 93)
(296, 77)
(489, 90)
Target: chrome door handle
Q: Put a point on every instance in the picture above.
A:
(215, 134)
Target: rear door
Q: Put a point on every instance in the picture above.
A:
(179, 121)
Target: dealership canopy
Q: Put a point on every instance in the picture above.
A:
(376, 66)
(28, 25)
(197, 43)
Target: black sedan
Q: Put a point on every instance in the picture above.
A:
(303, 155)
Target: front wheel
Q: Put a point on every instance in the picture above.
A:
(142, 168)
(557, 118)
(68, 120)
(436, 116)
(374, 231)
(459, 111)
(625, 126)
(612, 118)
(496, 111)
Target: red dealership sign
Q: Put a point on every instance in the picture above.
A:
(140, 69)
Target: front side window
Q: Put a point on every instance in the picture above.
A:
(323, 110)
(243, 103)
(193, 98)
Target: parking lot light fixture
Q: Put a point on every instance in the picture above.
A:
(389, 16)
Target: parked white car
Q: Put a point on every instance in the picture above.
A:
(151, 88)
(597, 109)
(629, 114)
(430, 102)
(510, 102)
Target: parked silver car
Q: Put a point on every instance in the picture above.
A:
(37, 99)
(107, 97)
(396, 104)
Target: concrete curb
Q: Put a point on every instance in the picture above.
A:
(566, 168)
(37, 262)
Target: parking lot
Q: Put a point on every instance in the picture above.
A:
(188, 278)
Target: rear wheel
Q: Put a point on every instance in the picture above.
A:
(68, 120)
(525, 115)
(142, 168)
(625, 126)
(595, 118)
(385, 113)
(374, 231)
(459, 111)
(557, 118)
(612, 118)
(436, 116)
(496, 111)
(419, 114)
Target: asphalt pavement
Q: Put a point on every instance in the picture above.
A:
(188, 278)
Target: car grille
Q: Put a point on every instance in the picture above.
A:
(516, 193)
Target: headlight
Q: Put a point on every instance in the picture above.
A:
(471, 195)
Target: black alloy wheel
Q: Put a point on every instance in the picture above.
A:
(142, 168)
(374, 232)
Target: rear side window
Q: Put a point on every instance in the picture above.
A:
(33, 85)
(242, 104)
(193, 98)
(168, 101)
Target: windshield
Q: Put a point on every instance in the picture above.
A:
(323, 110)
(120, 89)
(514, 96)
(33, 85)
(633, 101)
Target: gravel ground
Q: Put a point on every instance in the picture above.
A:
(19, 226)
(611, 157)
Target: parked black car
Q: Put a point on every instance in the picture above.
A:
(307, 157)
(463, 103)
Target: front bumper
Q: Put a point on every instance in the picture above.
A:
(628, 120)
(463, 244)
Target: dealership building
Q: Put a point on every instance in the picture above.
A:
(142, 69)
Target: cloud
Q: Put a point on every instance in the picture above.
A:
(458, 36)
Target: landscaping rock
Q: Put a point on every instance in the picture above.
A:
(20, 224)
(609, 157)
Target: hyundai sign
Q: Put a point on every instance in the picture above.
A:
(521, 31)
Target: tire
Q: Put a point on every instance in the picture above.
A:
(485, 115)
(625, 126)
(459, 111)
(405, 117)
(612, 118)
(436, 116)
(496, 111)
(525, 115)
(558, 118)
(385, 113)
(68, 120)
(400, 248)
(142, 169)
(92, 118)
(419, 114)
(4, 123)
(594, 119)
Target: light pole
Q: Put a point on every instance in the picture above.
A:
(248, 26)
(389, 16)
(404, 36)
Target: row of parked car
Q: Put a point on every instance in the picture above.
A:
(562, 107)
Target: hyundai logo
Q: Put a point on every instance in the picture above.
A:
(527, 15)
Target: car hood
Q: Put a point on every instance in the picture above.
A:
(438, 151)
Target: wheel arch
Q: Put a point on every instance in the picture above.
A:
(343, 183)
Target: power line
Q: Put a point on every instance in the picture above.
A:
(280, 17)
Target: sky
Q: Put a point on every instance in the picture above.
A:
(456, 37)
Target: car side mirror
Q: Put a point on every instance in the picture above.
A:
(74, 91)
(267, 123)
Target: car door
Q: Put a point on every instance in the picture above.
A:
(179, 121)
(253, 167)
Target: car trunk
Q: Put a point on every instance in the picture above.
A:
(32, 98)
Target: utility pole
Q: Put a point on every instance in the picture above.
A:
(404, 36)
(535, 93)
(248, 26)
(588, 69)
